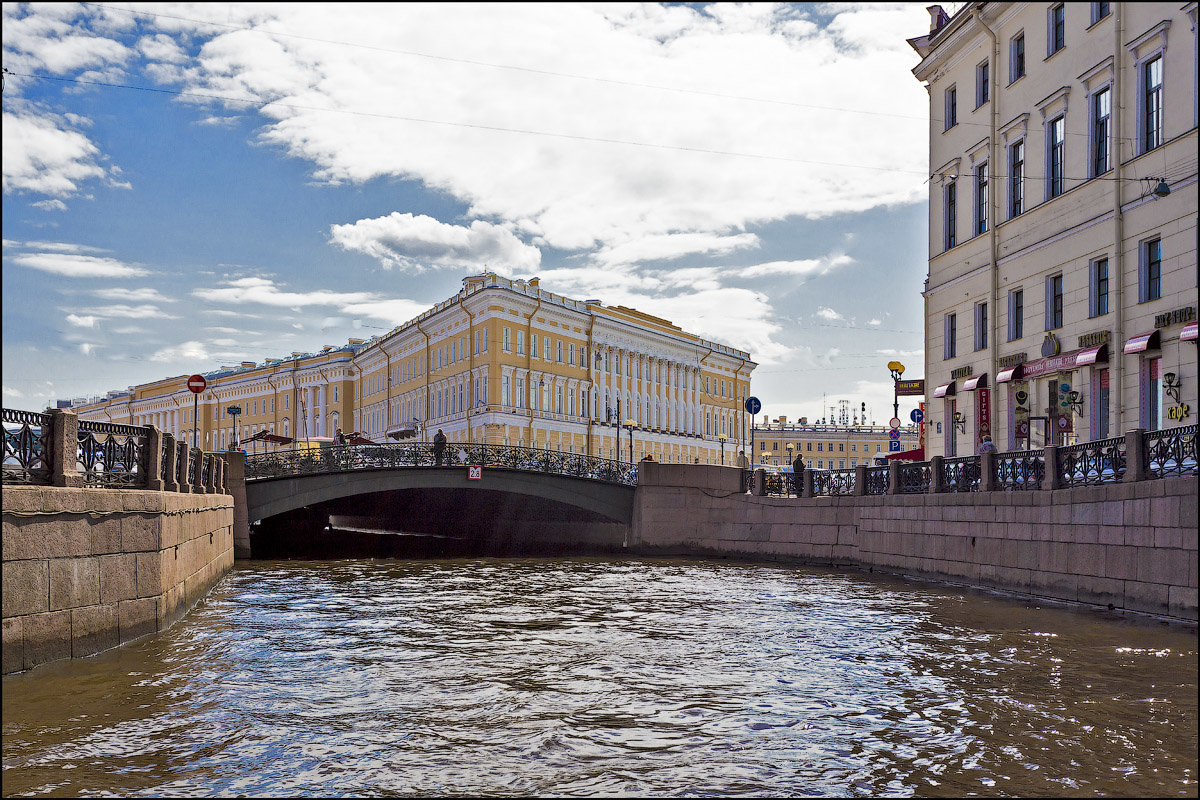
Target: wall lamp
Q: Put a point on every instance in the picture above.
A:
(1075, 401)
(960, 421)
(1172, 385)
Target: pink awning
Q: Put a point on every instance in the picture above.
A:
(1092, 356)
(1142, 342)
(917, 454)
(978, 382)
(1014, 374)
(1188, 334)
(944, 390)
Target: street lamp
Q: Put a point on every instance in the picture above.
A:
(897, 369)
(722, 440)
(790, 448)
(631, 424)
(233, 412)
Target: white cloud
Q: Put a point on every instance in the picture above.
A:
(808, 266)
(673, 246)
(416, 243)
(875, 322)
(264, 291)
(144, 295)
(829, 314)
(393, 312)
(82, 322)
(41, 157)
(129, 312)
(51, 205)
(79, 266)
(191, 351)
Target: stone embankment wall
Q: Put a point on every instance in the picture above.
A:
(87, 569)
(1131, 546)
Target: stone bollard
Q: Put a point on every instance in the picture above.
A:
(758, 483)
(171, 461)
(894, 477)
(1052, 479)
(154, 459)
(807, 489)
(197, 456)
(1137, 466)
(210, 480)
(182, 456)
(987, 471)
(937, 473)
(63, 452)
(860, 480)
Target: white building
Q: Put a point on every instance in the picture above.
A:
(1061, 298)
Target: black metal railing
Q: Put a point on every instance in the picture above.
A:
(391, 456)
(1019, 470)
(775, 483)
(26, 457)
(960, 474)
(1092, 463)
(113, 456)
(1171, 451)
(877, 480)
(916, 478)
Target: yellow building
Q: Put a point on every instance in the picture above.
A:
(825, 446)
(501, 362)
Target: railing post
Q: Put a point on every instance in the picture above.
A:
(937, 481)
(860, 480)
(758, 483)
(1052, 479)
(987, 471)
(1136, 459)
(64, 448)
(197, 456)
(893, 477)
(210, 486)
(807, 489)
(219, 474)
(171, 461)
(182, 455)
(154, 459)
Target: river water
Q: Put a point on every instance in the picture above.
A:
(602, 677)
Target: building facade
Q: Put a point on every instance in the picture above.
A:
(502, 362)
(1061, 298)
(826, 446)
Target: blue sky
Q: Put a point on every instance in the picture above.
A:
(187, 186)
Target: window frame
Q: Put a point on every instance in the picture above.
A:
(982, 81)
(1099, 11)
(1016, 57)
(1146, 112)
(981, 198)
(981, 326)
(1056, 28)
(1100, 126)
(1150, 270)
(950, 110)
(950, 215)
(1056, 152)
(1098, 287)
(1055, 304)
(950, 336)
(1016, 178)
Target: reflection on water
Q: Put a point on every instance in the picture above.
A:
(606, 677)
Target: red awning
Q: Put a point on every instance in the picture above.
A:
(1092, 355)
(263, 436)
(917, 454)
(944, 390)
(354, 438)
(978, 382)
(1142, 342)
(1013, 374)
(1188, 334)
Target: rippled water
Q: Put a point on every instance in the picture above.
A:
(594, 677)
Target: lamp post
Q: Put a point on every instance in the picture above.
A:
(630, 424)
(790, 448)
(233, 412)
(722, 440)
(897, 369)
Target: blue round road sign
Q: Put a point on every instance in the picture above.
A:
(916, 415)
(753, 405)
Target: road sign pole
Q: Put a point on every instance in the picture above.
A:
(195, 416)
(196, 384)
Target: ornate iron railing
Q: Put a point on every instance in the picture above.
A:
(877, 480)
(182, 451)
(775, 483)
(1019, 470)
(916, 478)
(26, 439)
(207, 474)
(747, 480)
(960, 474)
(113, 456)
(795, 483)
(191, 468)
(1171, 451)
(820, 482)
(390, 456)
(841, 482)
(1092, 463)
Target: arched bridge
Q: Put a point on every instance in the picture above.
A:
(277, 483)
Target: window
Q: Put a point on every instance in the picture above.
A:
(1101, 141)
(533, 345)
(951, 214)
(774, 445)
(1150, 271)
(1054, 156)
(570, 352)
(808, 447)
(1098, 287)
(558, 349)
(951, 107)
(546, 351)
(507, 340)
(981, 198)
(505, 395)
(981, 326)
(1152, 110)
(1056, 24)
(1016, 57)
(1054, 301)
(1099, 12)
(1016, 179)
(521, 343)
(1152, 393)
(1100, 404)
(950, 332)
(981, 84)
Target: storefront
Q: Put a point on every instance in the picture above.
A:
(1047, 400)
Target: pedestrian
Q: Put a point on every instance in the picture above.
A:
(339, 438)
(798, 473)
(439, 447)
(742, 461)
(986, 446)
(648, 457)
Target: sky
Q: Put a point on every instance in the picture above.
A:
(188, 186)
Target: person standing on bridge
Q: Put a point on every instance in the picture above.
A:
(439, 447)
(742, 461)
(798, 473)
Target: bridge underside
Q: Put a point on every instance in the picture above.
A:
(435, 512)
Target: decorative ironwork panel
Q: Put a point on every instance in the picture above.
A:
(916, 478)
(747, 480)
(774, 483)
(1171, 451)
(191, 467)
(960, 474)
(821, 482)
(208, 469)
(164, 467)
(1092, 463)
(1019, 470)
(877, 480)
(113, 456)
(26, 439)
(795, 483)
(841, 482)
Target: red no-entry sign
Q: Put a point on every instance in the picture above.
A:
(197, 383)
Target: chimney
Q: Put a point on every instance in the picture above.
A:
(937, 18)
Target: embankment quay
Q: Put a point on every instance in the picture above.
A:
(113, 532)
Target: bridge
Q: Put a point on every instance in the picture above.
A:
(493, 492)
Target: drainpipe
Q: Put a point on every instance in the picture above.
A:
(1116, 381)
(428, 369)
(742, 411)
(993, 299)
(529, 363)
(591, 378)
(470, 366)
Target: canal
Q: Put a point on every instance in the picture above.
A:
(600, 677)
